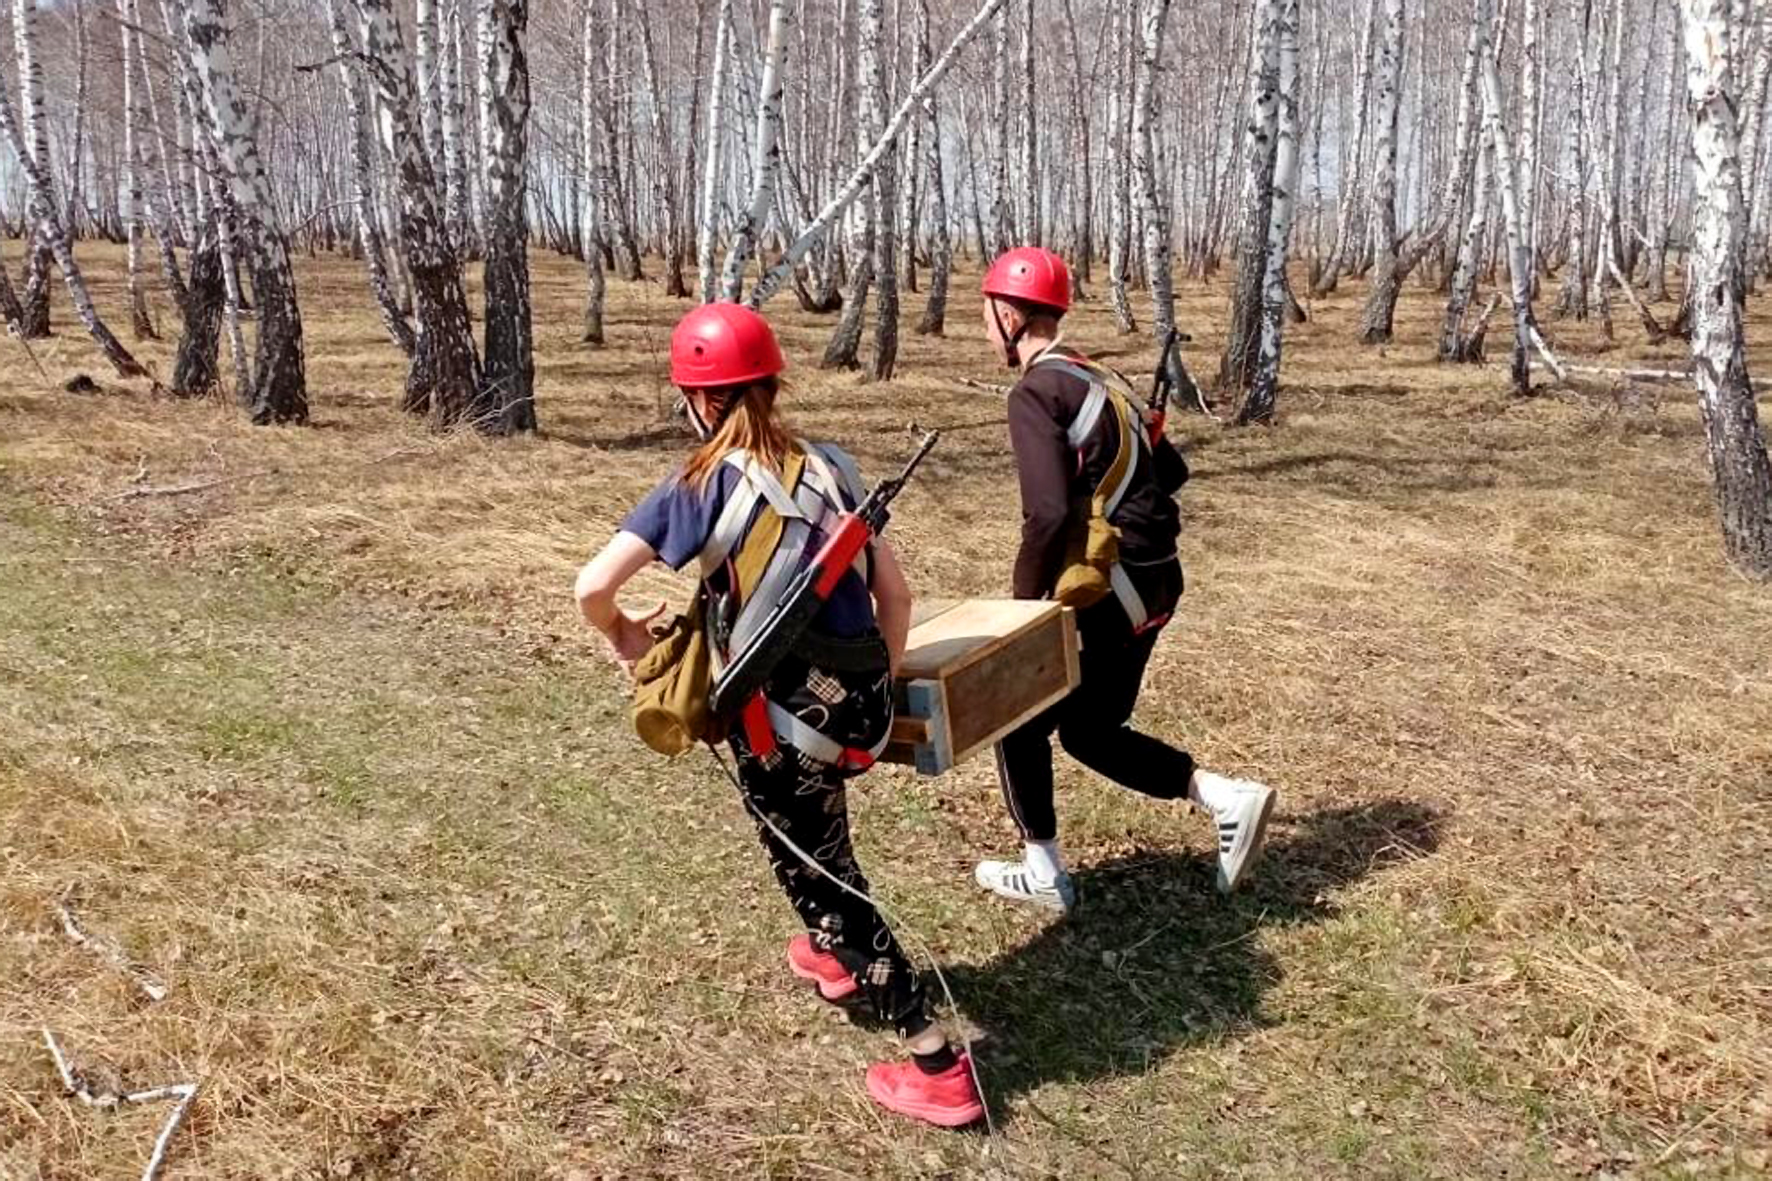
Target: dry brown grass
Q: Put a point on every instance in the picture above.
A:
(324, 747)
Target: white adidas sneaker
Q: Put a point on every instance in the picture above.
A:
(1240, 808)
(1012, 880)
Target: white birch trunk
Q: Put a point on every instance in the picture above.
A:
(1002, 228)
(844, 346)
(1264, 391)
(1119, 177)
(941, 244)
(279, 382)
(42, 192)
(1531, 74)
(443, 381)
(1452, 346)
(766, 158)
(1152, 18)
(714, 156)
(1387, 82)
(1351, 183)
(1518, 249)
(35, 141)
(459, 218)
(1249, 288)
(1573, 300)
(595, 191)
(1753, 127)
(884, 362)
(1743, 476)
(369, 229)
(506, 403)
(428, 58)
(127, 24)
(814, 231)
(1153, 14)
(909, 189)
(1032, 226)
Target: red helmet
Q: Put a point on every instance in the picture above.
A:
(1031, 274)
(721, 344)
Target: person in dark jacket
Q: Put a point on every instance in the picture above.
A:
(1066, 417)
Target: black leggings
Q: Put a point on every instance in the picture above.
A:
(1092, 722)
(808, 801)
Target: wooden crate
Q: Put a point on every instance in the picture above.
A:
(973, 671)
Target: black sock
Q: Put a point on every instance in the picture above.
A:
(942, 1059)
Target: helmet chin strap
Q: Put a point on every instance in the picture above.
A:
(1011, 340)
(703, 429)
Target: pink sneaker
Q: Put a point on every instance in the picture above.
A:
(808, 963)
(948, 1100)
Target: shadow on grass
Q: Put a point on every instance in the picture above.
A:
(1153, 960)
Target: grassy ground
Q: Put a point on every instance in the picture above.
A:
(320, 744)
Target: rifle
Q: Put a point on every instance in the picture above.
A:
(1162, 385)
(788, 619)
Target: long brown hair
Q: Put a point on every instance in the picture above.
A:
(751, 424)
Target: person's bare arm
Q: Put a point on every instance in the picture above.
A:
(598, 584)
(892, 601)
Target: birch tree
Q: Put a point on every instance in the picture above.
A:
(443, 381)
(1740, 470)
(884, 361)
(813, 232)
(41, 188)
(1387, 82)
(1347, 219)
(127, 24)
(871, 237)
(707, 219)
(1264, 390)
(458, 218)
(941, 245)
(596, 192)
(1387, 281)
(375, 247)
(1153, 15)
(34, 142)
(506, 403)
(1119, 172)
(1505, 180)
(766, 158)
(1259, 156)
(279, 391)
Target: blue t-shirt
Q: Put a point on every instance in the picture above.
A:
(676, 520)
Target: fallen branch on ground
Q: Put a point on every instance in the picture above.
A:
(1550, 358)
(80, 1089)
(1562, 371)
(108, 951)
(12, 330)
(1651, 325)
(986, 386)
(182, 489)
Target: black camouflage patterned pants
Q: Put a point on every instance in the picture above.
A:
(808, 801)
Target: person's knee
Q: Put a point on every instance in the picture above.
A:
(1086, 741)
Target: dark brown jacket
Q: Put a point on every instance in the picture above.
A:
(1058, 481)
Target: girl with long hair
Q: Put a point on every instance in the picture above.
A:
(828, 707)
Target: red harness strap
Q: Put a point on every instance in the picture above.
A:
(1153, 623)
(759, 735)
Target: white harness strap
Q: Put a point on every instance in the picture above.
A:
(800, 735)
(1089, 417)
(825, 479)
